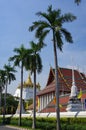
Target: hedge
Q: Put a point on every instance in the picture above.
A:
(49, 123)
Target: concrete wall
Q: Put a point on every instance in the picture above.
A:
(62, 114)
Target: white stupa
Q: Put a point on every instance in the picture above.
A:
(27, 89)
(74, 91)
(74, 103)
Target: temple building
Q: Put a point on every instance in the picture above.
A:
(27, 89)
(46, 97)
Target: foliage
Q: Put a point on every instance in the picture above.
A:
(53, 21)
(9, 73)
(77, 1)
(11, 104)
(50, 123)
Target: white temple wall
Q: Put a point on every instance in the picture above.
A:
(45, 99)
(26, 94)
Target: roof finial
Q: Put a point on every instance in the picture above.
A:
(73, 77)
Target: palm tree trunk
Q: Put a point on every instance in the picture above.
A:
(21, 95)
(0, 98)
(0, 95)
(34, 102)
(4, 109)
(56, 83)
(5, 96)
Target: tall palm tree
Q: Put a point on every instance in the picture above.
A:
(53, 22)
(35, 66)
(19, 60)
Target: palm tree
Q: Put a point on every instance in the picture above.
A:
(53, 22)
(0, 92)
(2, 84)
(6, 76)
(9, 76)
(19, 60)
(35, 66)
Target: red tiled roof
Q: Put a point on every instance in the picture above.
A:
(65, 81)
(48, 89)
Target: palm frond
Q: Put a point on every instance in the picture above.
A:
(67, 35)
(51, 15)
(15, 59)
(52, 20)
(34, 26)
(43, 14)
(59, 41)
(38, 63)
(35, 47)
(77, 2)
(9, 73)
(68, 17)
(43, 35)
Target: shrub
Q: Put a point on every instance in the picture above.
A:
(49, 123)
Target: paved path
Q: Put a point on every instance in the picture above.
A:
(11, 128)
(7, 128)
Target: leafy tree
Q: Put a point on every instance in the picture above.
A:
(53, 22)
(11, 104)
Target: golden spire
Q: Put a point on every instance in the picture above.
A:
(28, 82)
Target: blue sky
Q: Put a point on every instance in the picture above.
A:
(15, 18)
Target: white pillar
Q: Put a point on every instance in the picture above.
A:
(42, 103)
(47, 98)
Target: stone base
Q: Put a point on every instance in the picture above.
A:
(74, 107)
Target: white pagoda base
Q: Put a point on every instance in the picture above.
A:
(74, 105)
(18, 109)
